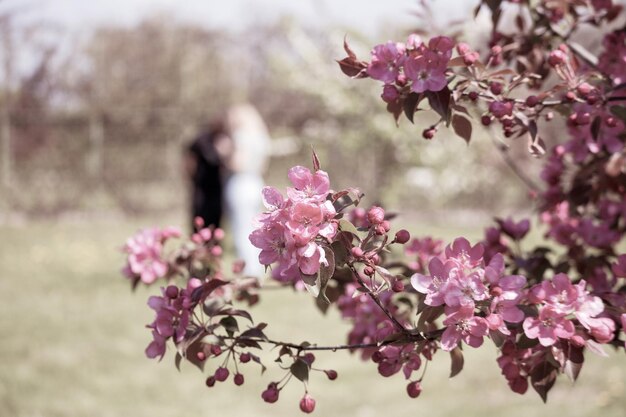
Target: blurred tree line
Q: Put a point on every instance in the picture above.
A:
(99, 124)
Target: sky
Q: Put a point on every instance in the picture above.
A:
(81, 15)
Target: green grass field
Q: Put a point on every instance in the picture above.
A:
(73, 340)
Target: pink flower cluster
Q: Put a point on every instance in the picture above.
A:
(478, 298)
(292, 231)
(613, 60)
(145, 254)
(559, 302)
(173, 310)
(422, 65)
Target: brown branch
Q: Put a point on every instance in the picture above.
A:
(375, 298)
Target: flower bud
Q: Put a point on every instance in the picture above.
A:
(171, 291)
(501, 108)
(216, 251)
(397, 286)
(216, 350)
(244, 357)
(331, 374)
(413, 42)
(210, 381)
(390, 93)
(402, 236)
(205, 234)
(471, 58)
(429, 133)
(414, 389)
(307, 404)
(221, 374)
(473, 95)
(557, 57)
(569, 96)
(238, 379)
(201, 356)
(462, 48)
(356, 252)
(270, 395)
(376, 215)
(485, 120)
(611, 121)
(218, 234)
(386, 225)
(584, 89)
(401, 80)
(309, 358)
(532, 101)
(198, 222)
(496, 88)
(368, 270)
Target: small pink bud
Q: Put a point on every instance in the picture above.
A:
(201, 356)
(368, 270)
(584, 119)
(221, 374)
(401, 80)
(309, 358)
(196, 238)
(171, 291)
(356, 252)
(473, 95)
(218, 234)
(414, 389)
(471, 58)
(570, 96)
(390, 93)
(270, 395)
(216, 350)
(238, 379)
(386, 225)
(557, 57)
(210, 381)
(307, 404)
(376, 215)
(532, 101)
(429, 133)
(244, 357)
(398, 286)
(496, 88)
(402, 236)
(496, 291)
(549, 116)
(331, 374)
(485, 120)
(216, 251)
(592, 99)
(414, 41)
(198, 222)
(496, 50)
(462, 48)
(205, 234)
(584, 89)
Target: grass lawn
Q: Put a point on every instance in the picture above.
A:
(73, 340)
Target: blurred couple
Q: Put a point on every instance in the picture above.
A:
(225, 165)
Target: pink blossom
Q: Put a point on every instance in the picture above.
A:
(386, 61)
(463, 325)
(145, 254)
(465, 255)
(548, 327)
(435, 284)
(427, 72)
(464, 289)
(308, 185)
(559, 293)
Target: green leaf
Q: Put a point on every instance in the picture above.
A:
(457, 361)
(230, 324)
(542, 378)
(346, 226)
(462, 127)
(300, 370)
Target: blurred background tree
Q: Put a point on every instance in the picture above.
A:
(98, 124)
